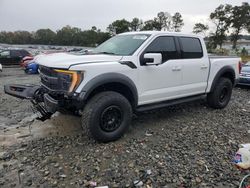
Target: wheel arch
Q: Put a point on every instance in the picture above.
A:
(226, 72)
(111, 82)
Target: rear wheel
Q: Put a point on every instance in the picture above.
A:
(107, 116)
(221, 95)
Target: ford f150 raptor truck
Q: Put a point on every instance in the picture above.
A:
(131, 72)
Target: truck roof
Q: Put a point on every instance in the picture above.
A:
(161, 33)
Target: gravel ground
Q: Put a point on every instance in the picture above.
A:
(187, 145)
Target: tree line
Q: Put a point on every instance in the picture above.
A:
(75, 36)
(66, 36)
(229, 22)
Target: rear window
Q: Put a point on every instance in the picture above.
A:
(191, 48)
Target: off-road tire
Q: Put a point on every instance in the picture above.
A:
(99, 108)
(221, 95)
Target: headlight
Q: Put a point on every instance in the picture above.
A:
(74, 77)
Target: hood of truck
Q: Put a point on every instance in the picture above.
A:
(65, 60)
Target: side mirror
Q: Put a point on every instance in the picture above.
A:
(152, 58)
(88, 51)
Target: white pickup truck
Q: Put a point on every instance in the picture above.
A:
(131, 72)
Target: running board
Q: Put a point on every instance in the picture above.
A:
(164, 104)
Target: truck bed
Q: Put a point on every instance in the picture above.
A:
(221, 56)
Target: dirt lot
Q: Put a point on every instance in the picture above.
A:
(187, 145)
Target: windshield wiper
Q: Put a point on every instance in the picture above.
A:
(109, 53)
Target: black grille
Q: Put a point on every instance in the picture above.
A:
(54, 81)
(48, 71)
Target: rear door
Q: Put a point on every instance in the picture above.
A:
(195, 66)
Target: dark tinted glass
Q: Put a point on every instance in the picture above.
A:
(15, 53)
(24, 53)
(191, 48)
(165, 46)
(19, 53)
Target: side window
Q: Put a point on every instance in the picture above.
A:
(165, 46)
(15, 53)
(24, 53)
(191, 48)
(5, 53)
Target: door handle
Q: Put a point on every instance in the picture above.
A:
(204, 67)
(177, 68)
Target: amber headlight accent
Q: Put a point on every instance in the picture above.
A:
(76, 78)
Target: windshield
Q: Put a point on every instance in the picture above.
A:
(122, 44)
(5, 53)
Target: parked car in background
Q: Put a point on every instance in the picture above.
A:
(245, 74)
(12, 57)
(24, 62)
(31, 67)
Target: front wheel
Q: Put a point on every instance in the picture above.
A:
(221, 95)
(107, 116)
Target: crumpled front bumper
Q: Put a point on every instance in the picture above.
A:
(21, 91)
(42, 102)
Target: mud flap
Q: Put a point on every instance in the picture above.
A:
(21, 91)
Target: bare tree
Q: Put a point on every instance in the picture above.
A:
(200, 28)
(177, 22)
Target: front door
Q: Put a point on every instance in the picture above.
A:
(160, 82)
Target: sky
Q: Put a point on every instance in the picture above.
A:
(31, 15)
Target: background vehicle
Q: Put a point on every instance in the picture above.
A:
(31, 67)
(131, 72)
(12, 57)
(25, 61)
(245, 74)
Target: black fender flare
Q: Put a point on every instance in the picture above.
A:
(220, 73)
(109, 78)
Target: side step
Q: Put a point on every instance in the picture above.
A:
(169, 103)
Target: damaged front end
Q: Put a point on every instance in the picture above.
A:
(56, 93)
(35, 95)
